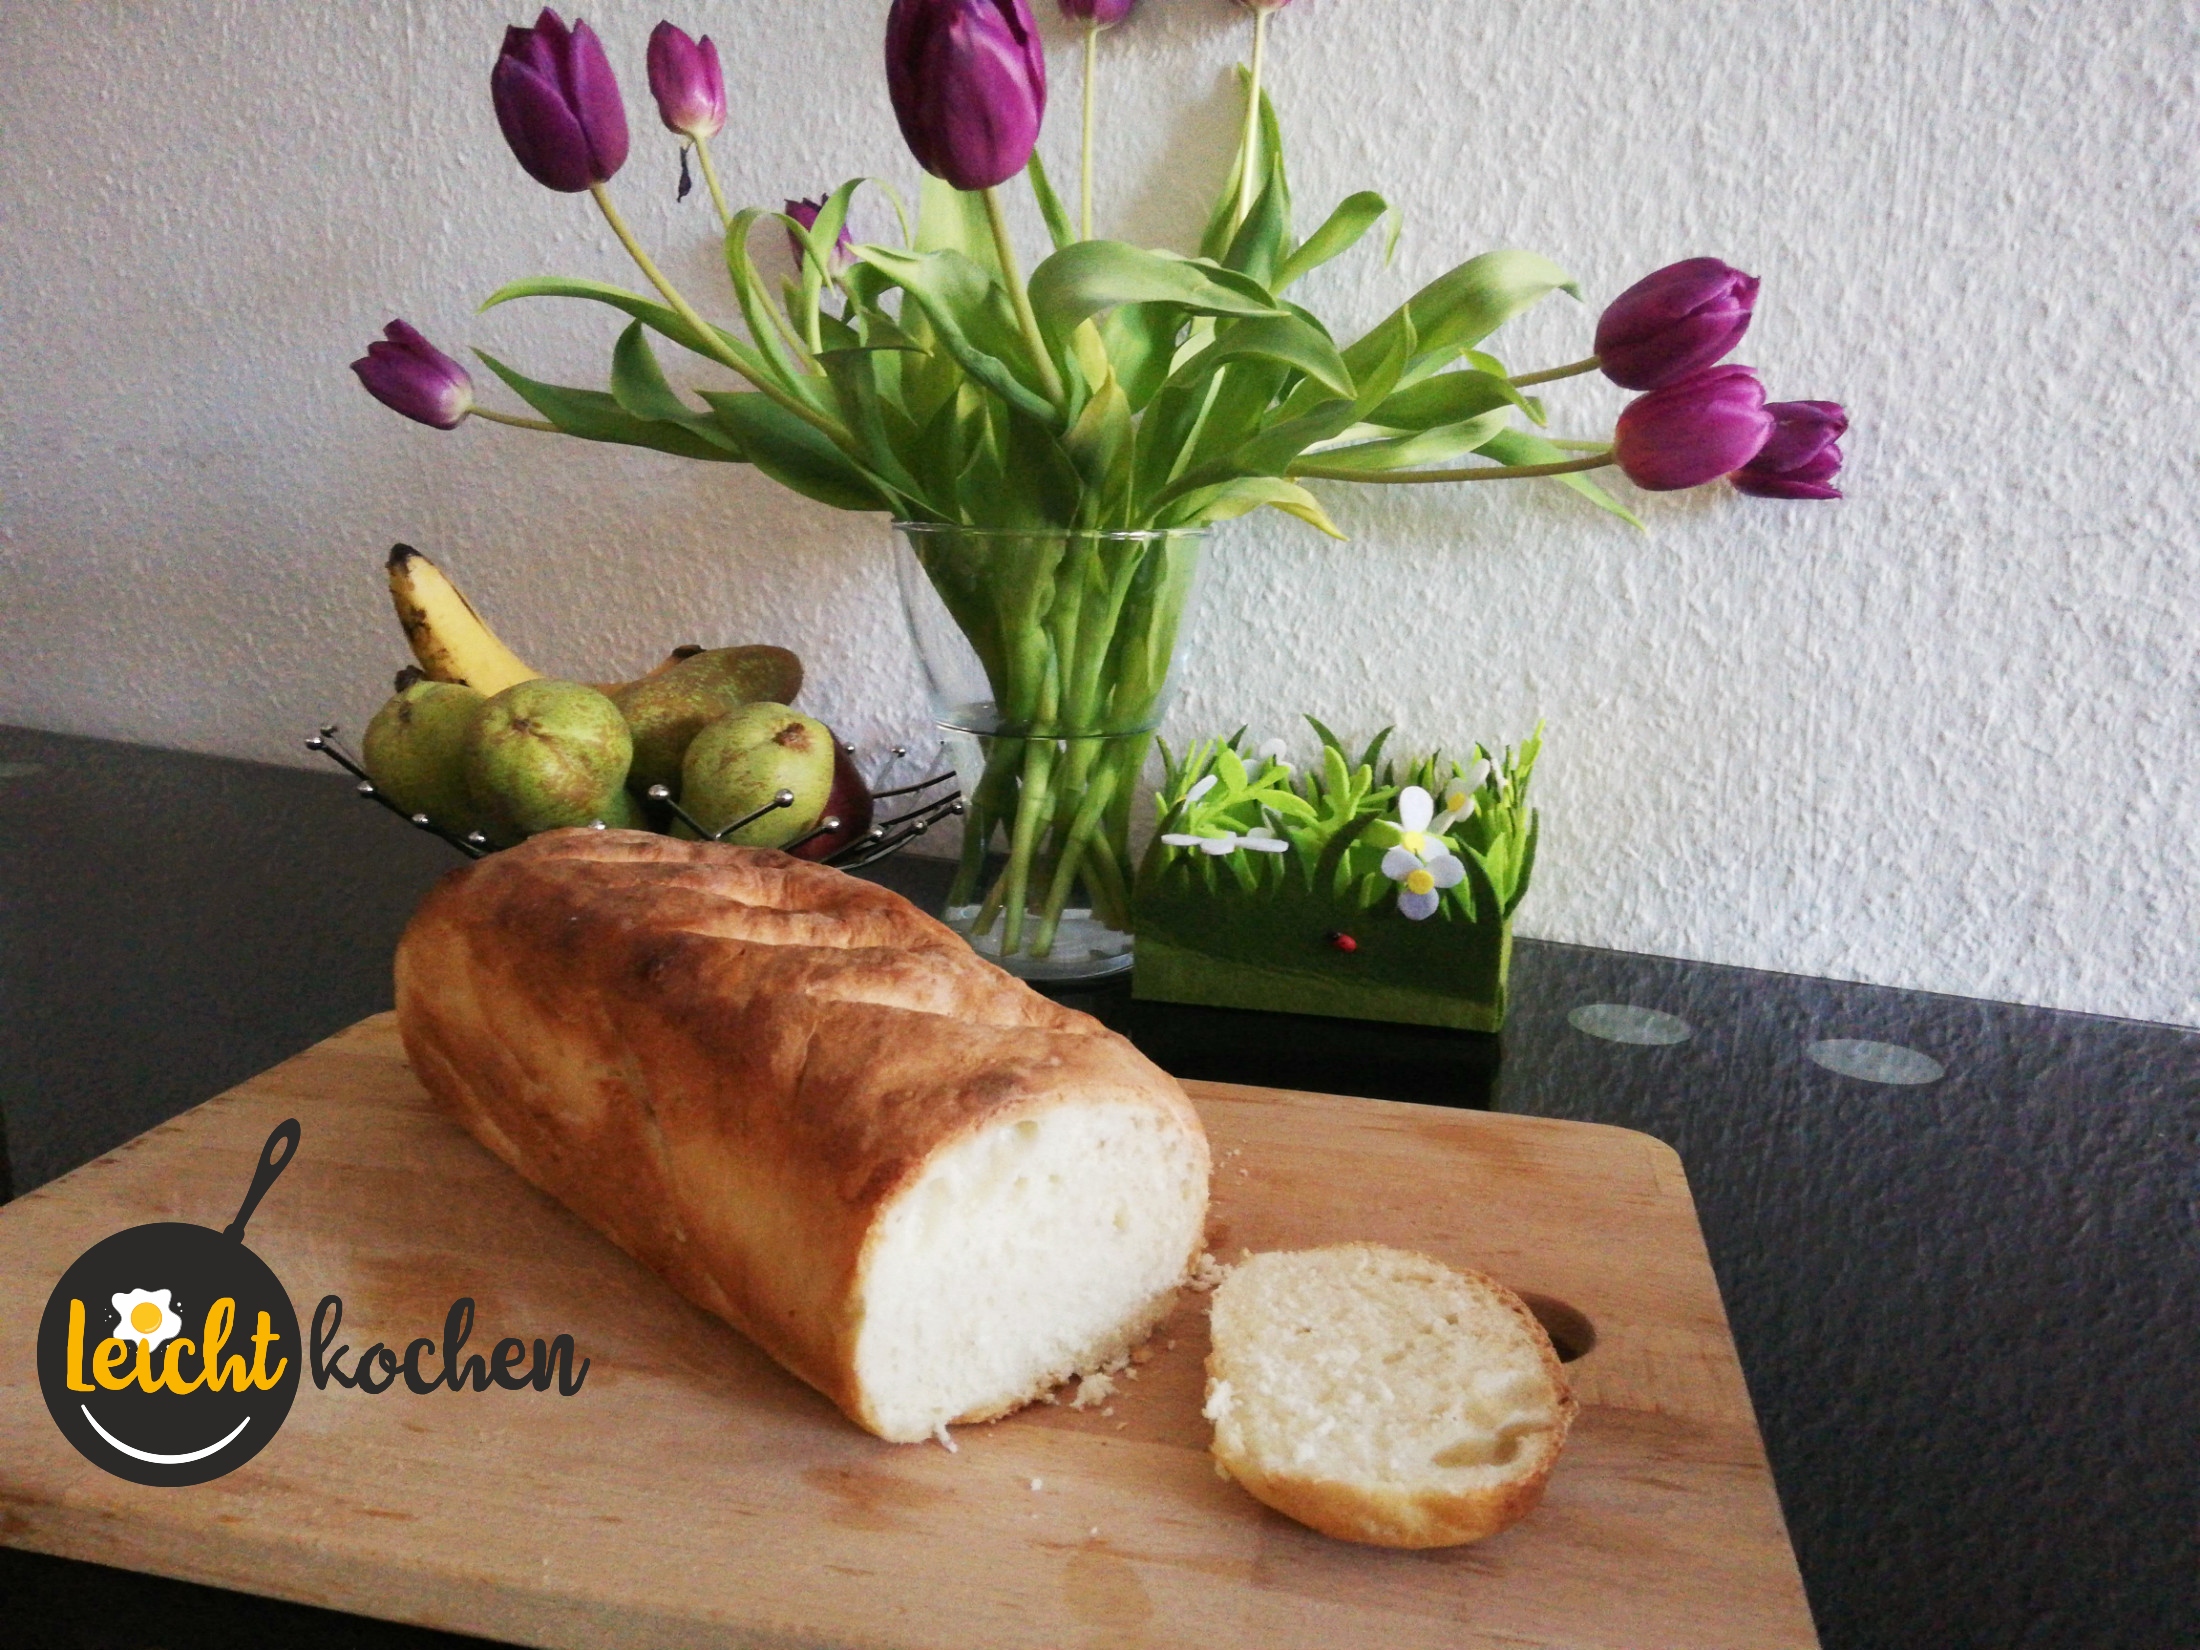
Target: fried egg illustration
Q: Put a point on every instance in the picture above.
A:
(146, 1317)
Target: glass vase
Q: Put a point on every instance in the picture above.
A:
(1050, 655)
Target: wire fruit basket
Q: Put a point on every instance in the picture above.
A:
(883, 838)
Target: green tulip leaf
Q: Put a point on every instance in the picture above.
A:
(794, 454)
(1141, 343)
(1222, 221)
(1428, 449)
(1460, 308)
(1093, 277)
(594, 415)
(1450, 398)
(1226, 501)
(1525, 447)
(1269, 453)
(955, 220)
(648, 311)
(638, 385)
(1287, 339)
(1339, 233)
(1258, 249)
(757, 309)
(1379, 378)
(1235, 412)
(1099, 444)
(1059, 227)
(854, 375)
(818, 242)
(957, 297)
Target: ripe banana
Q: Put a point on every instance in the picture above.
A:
(447, 635)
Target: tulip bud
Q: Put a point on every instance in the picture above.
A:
(408, 374)
(558, 103)
(805, 213)
(1103, 13)
(686, 81)
(1803, 455)
(968, 79)
(1706, 426)
(1675, 321)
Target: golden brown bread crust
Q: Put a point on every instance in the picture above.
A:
(727, 1060)
(1392, 1516)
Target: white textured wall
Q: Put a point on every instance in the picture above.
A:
(1943, 735)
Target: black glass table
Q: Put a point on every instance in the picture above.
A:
(1957, 1240)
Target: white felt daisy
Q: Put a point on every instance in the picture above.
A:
(1422, 864)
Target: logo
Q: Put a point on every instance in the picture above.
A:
(169, 1354)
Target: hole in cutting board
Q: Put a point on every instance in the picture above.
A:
(1571, 1332)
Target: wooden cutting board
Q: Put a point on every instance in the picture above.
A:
(690, 1493)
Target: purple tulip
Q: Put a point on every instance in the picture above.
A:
(1104, 13)
(805, 213)
(1674, 321)
(408, 374)
(1803, 456)
(1708, 425)
(558, 103)
(686, 81)
(969, 83)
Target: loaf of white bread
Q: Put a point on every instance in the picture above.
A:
(1381, 1396)
(919, 1185)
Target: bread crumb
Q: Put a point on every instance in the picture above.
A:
(946, 1442)
(1207, 1274)
(1110, 1410)
(1171, 1346)
(1038, 1484)
(1093, 1389)
(1095, 1530)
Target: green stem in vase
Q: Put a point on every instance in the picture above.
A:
(1090, 812)
(1074, 630)
(990, 907)
(1111, 896)
(1032, 807)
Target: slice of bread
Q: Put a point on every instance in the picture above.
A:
(1380, 1396)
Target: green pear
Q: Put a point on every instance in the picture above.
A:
(544, 754)
(754, 675)
(415, 751)
(745, 758)
(625, 813)
(667, 709)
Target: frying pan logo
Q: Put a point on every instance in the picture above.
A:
(169, 1353)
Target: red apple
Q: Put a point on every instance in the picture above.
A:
(849, 801)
